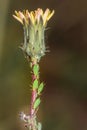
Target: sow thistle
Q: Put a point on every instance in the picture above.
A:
(34, 25)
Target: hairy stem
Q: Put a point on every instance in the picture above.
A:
(34, 96)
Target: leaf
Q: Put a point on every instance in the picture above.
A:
(36, 69)
(35, 84)
(40, 88)
(37, 102)
(39, 126)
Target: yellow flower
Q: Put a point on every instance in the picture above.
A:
(46, 16)
(38, 14)
(33, 16)
(19, 16)
(34, 24)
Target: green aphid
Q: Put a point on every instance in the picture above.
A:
(36, 70)
(35, 84)
(40, 88)
(37, 103)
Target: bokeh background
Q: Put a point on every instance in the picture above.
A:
(64, 69)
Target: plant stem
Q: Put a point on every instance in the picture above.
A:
(34, 24)
(33, 111)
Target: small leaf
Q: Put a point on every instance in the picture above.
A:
(35, 84)
(37, 102)
(40, 88)
(39, 126)
(36, 69)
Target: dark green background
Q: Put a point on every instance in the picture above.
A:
(64, 69)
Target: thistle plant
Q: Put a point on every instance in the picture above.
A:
(34, 25)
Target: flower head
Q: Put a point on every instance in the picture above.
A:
(33, 16)
(34, 24)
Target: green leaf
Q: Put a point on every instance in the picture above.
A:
(36, 69)
(35, 84)
(39, 126)
(40, 88)
(37, 102)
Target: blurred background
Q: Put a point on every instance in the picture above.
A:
(64, 69)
